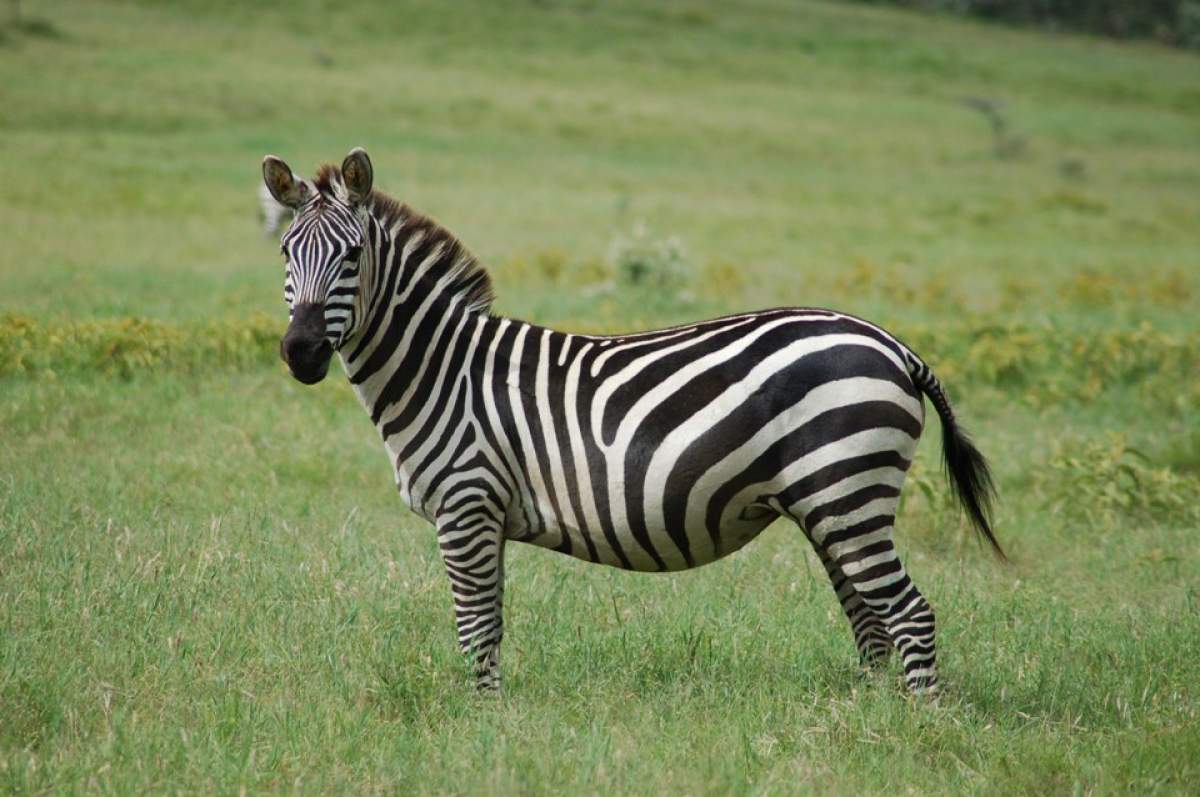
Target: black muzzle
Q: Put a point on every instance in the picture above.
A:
(304, 347)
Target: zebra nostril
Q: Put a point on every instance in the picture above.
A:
(301, 350)
(320, 351)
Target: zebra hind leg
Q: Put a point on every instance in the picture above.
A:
(883, 605)
(871, 638)
(863, 549)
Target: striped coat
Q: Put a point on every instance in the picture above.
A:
(655, 451)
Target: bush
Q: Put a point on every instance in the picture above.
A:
(1173, 21)
(1107, 480)
(1189, 24)
(124, 346)
(1043, 364)
(642, 260)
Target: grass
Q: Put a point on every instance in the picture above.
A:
(208, 583)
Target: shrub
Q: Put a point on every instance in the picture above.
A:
(1108, 481)
(643, 260)
(1173, 21)
(124, 346)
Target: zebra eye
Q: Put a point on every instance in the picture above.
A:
(353, 255)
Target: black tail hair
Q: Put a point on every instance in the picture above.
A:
(970, 477)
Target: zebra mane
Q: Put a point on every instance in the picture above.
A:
(468, 279)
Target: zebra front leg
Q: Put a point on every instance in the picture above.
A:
(472, 545)
(871, 638)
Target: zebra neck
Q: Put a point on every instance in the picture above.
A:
(415, 272)
(412, 359)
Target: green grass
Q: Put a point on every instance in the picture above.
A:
(208, 583)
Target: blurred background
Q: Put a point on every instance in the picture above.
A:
(207, 580)
(903, 165)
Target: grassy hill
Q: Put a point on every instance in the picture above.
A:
(207, 582)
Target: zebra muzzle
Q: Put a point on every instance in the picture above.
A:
(304, 346)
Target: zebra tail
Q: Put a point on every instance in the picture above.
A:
(970, 477)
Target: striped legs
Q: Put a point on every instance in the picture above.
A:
(471, 539)
(870, 636)
(884, 607)
(866, 555)
(912, 628)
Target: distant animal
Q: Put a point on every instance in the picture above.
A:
(272, 214)
(650, 451)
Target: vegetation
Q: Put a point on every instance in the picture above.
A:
(208, 583)
(1171, 21)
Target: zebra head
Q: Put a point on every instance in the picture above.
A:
(323, 248)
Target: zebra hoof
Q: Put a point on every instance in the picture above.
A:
(488, 685)
(927, 689)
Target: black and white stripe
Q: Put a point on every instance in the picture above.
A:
(323, 264)
(655, 451)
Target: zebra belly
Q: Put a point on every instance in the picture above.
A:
(621, 548)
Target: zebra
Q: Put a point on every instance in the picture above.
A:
(649, 451)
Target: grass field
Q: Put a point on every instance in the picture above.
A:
(209, 584)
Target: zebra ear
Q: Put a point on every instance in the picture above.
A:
(282, 184)
(357, 174)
